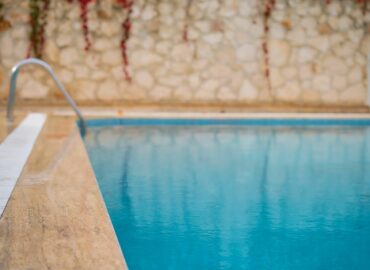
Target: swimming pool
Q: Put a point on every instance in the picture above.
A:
(236, 194)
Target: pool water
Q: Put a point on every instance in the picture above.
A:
(236, 197)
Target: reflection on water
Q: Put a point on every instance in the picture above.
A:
(237, 197)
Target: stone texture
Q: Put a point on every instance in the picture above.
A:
(208, 88)
(99, 74)
(160, 93)
(85, 90)
(181, 52)
(109, 28)
(213, 39)
(309, 23)
(102, 45)
(81, 72)
(144, 78)
(111, 57)
(306, 54)
(52, 51)
(355, 94)
(166, 32)
(306, 72)
(143, 58)
(165, 8)
(320, 43)
(132, 92)
(40, 226)
(335, 9)
(311, 97)
(148, 13)
(289, 73)
(345, 49)
(355, 75)
(6, 44)
(92, 61)
(219, 71)
(289, 93)
(276, 79)
(279, 52)
(226, 94)
(339, 83)
(64, 40)
(314, 54)
(171, 81)
(194, 81)
(107, 91)
(69, 56)
(330, 98)
(33, 90)
(345, 23)
(322, 83)
(182, 93)
(297, 37)
(247, 91)
(247, 52)
(65, 76)
(334, 65)
(20, 49)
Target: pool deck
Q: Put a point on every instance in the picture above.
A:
(56, 217)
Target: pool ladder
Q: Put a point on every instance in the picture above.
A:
(13, 81)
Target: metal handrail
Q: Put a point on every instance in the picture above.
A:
(13, 80)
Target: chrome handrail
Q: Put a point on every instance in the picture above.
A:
(13, 79)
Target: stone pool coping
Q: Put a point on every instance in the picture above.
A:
(56, 217)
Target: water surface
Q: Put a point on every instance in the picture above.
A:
(236, 197)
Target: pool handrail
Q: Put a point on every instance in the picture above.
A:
(47, 67)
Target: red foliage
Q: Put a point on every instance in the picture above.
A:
(268, 7)
(84, 20)
(44, 16)
(186, 26)
(126, 30)
(267, 11)
(38, 21)
(85, 27)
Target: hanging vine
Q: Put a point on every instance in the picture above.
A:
(38, 21)
(126, 31)
(38, 18)
(4, 24)
(268, 6)
(267, 10)
(185, 32)
(364, 5)
(44, 21)
(360, 2)
(84, 4)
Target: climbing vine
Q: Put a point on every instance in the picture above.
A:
(126, 30)
(38, 21)
(84, 4)
(267, 10)
(185, 37)
(4, 24)
(268, 7)
(38, 18)
(360, 2)
(364, 5)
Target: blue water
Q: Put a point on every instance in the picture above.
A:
(236, 197)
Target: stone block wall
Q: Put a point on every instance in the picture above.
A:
(200, 52)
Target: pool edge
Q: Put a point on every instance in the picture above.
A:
(40, 227)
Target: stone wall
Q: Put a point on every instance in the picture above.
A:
(315, 54)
